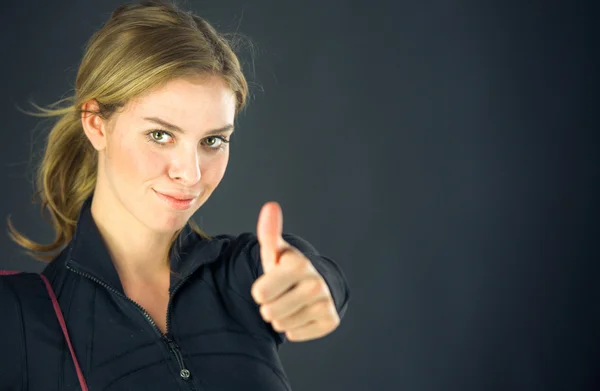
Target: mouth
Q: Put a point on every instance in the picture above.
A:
(177, 201)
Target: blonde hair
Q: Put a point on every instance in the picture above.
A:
(141, 47)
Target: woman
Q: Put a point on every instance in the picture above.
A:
(150, 301)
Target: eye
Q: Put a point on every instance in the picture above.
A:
(159, 136)
(218, 143)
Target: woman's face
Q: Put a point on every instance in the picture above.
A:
(146, 164)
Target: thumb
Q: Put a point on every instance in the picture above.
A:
(269, 233)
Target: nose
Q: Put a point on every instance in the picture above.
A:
(185, 168)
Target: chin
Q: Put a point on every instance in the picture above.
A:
(168, 223)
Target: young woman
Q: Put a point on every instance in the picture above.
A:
(150, 301)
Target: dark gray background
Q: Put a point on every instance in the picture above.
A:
(443, 152)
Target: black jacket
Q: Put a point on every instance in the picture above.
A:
(215, 329)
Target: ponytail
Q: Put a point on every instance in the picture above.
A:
(65, 178)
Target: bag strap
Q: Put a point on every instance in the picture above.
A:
(61, 321)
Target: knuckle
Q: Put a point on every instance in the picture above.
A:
(314, 287)
(264, 311)
(258, 291)
(334, 322)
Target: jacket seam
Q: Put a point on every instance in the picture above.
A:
(90, 347)
(250, 302)
(245, 332)
(65, 351)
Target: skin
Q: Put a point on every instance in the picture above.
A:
(137, 225)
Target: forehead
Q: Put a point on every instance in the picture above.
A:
(190, 102)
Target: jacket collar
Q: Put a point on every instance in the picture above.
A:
(87, 252)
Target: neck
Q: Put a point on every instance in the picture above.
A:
(138, 253)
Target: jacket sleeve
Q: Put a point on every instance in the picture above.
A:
(12, 351)
(328, 268)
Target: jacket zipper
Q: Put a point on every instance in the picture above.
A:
(184, 373)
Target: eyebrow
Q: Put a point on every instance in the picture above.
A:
(176, 128)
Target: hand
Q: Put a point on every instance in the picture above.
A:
(293, 296)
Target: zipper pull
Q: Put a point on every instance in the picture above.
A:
(184, 372)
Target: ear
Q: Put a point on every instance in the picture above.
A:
(94, 126)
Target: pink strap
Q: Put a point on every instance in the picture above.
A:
(63, 325)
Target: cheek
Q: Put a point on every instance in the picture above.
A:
(137, 163)
(148, 164)
(214, 171)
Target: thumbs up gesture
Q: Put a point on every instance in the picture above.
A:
(292, 295)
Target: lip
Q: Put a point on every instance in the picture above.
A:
(177, 201)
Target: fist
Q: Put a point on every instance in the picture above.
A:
(292, 295)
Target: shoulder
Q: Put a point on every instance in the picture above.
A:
(244, 249)
(247, 243)
(235, 259)
(17, 296)
(20, 295)
(20, 288)
(8, 296)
